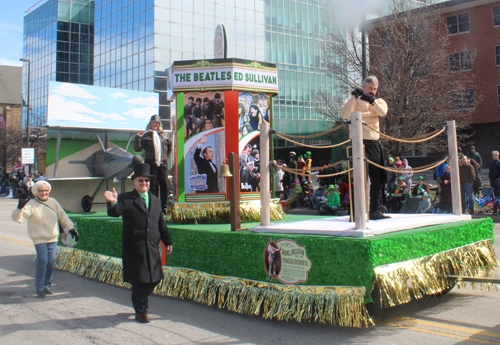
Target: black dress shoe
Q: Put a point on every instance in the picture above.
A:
(378, 215)
(48, 291)
(142, 317)
(41, 294)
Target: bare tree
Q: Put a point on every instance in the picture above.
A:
(10, 146)
(409, 52)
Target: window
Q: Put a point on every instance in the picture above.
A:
(460, 61)
(385, 40)
(463, 100)
(496, 16)
(497, 55)
(458, 24)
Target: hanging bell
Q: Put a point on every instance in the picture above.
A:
(224, 171)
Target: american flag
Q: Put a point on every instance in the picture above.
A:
(2, 123)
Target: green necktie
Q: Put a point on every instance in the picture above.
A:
(146, 200)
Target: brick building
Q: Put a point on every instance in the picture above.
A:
(475, 24)
(10, 105)
(473, 54)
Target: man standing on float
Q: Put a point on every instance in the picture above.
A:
(363, 100)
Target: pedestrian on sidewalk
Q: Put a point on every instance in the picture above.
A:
(494, 174)
(44, 215)
(143, 227)
(467, 176)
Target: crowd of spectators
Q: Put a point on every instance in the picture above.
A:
(17, 184)
(404, 193)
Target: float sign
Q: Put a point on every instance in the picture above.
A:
(295, 264)
(28, 156)
(286, 261)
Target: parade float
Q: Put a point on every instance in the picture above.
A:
(302, 268)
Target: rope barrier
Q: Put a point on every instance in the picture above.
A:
(316, 169)
(418, 170)
(311, 146)
(300, 174)
(410, 140)
(312, 135)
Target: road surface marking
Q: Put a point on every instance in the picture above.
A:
(471, 332)
(16, 241)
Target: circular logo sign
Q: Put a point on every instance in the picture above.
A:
(220, 42)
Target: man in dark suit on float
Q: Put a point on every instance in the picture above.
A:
(203, 159)
(143, 227)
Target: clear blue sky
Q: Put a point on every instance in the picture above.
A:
(11, 30)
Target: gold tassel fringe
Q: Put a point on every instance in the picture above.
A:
(202, 212)
(337, 305)
(427, 274)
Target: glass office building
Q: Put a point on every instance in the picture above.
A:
(59, 43)
(137, 40)
(294, 36)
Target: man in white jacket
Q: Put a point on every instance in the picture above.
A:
(363, 100)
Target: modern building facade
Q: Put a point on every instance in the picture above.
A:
(475, 24)
(473, 51)
(59, 44)
(135, 41)
(10, 111)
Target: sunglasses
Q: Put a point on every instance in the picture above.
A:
(141, 180)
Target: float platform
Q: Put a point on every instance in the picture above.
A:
(321, 278)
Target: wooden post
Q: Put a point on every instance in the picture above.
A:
(265, 212)
(358, 164)
(234, 194)
(456, 197)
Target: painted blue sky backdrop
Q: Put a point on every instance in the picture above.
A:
(76, 105)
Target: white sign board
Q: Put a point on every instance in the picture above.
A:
(28, 156)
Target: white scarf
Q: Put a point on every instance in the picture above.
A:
(157, 147)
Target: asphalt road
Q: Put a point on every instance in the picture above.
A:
(83, 311)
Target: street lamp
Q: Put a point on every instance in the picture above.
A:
(28, 112)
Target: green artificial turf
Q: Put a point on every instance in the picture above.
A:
(214, 249)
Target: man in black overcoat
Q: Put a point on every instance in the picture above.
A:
(143, 227)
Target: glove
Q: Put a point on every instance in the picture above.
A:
(22, 202)
(368, 98)
(74, 234)
(357, 92)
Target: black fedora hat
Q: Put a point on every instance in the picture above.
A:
(141, 170)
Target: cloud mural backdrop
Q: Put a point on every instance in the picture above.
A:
(76, 105)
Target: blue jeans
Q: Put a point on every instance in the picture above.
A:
(390, 187)
(496, 187)
(330, 210)
(45, 259)
(286, 193)
(467, 199)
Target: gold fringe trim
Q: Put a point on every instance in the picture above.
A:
(427, 274)
(202, 212)
(337, 305)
